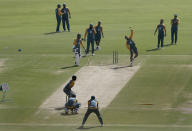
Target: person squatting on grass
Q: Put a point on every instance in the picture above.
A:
(99, 32)
(130, 44)
(93, 107)
(90, 33)
(65, 17)
(174, 29)
(73, 105)
(67, 89)
(161, 33)
(77, 48)
(58, 17)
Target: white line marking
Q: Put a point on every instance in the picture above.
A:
(105, 125)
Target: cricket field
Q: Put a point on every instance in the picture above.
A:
(158, 96)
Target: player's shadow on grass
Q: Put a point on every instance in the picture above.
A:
(51, 33)
(120, 67)
(67, 67)
(87, 128)
(155, 49)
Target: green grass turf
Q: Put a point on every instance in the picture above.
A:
(164, 80)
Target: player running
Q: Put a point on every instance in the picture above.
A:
(70, 84)
(90, 33)
(76, 48)
(99, 32)
(130, 44)
(93, 107)
(161, 33)
(174, 28)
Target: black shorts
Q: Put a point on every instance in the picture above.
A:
(133, 50)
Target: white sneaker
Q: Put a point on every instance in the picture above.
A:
(93, 54)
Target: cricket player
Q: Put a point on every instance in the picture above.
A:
(99, 32)
(174, 29)
(90, 33)
(58, 16)
(161, 33)
(65, 17)
(130, 44)
(76, 48)
(72, 104)
(70, 84)
(92, 108)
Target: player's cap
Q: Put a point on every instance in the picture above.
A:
(91, 25)
(175, 15)
(79, 35)
(58, 5)
(92, 97)
(64, 4)
(99, 22)
(74, 77)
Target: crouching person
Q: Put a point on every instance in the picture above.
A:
(73, 105)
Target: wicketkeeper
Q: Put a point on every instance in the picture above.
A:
(77, 49)
(73, 105)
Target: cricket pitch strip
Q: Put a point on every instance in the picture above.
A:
(104, 82)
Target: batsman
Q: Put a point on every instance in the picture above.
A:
(67, 89)
(77, 49)
(130, 44)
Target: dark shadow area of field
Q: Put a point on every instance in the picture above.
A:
(155, 49)
(66, 67)
(120, 67)
(51, 33)
(87, 128)
(59, 108)
(69, 114)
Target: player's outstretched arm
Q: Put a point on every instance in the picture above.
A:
(131, 35)
(155, 31)
(86, 32)
(102, 32)
(69, 13)
(165, 30)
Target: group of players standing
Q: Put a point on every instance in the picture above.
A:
(162, 31)
(93, 35)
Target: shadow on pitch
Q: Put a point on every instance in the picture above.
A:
(66, 67)
(59, 108)
(69, 114)
(87, 128)
(120, 67)
(155, 49)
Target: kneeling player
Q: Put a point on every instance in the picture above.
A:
(76, 48)
(131, 46)
(72, 104)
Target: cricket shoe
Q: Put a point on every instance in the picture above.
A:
(93, 54)
(97, 48)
